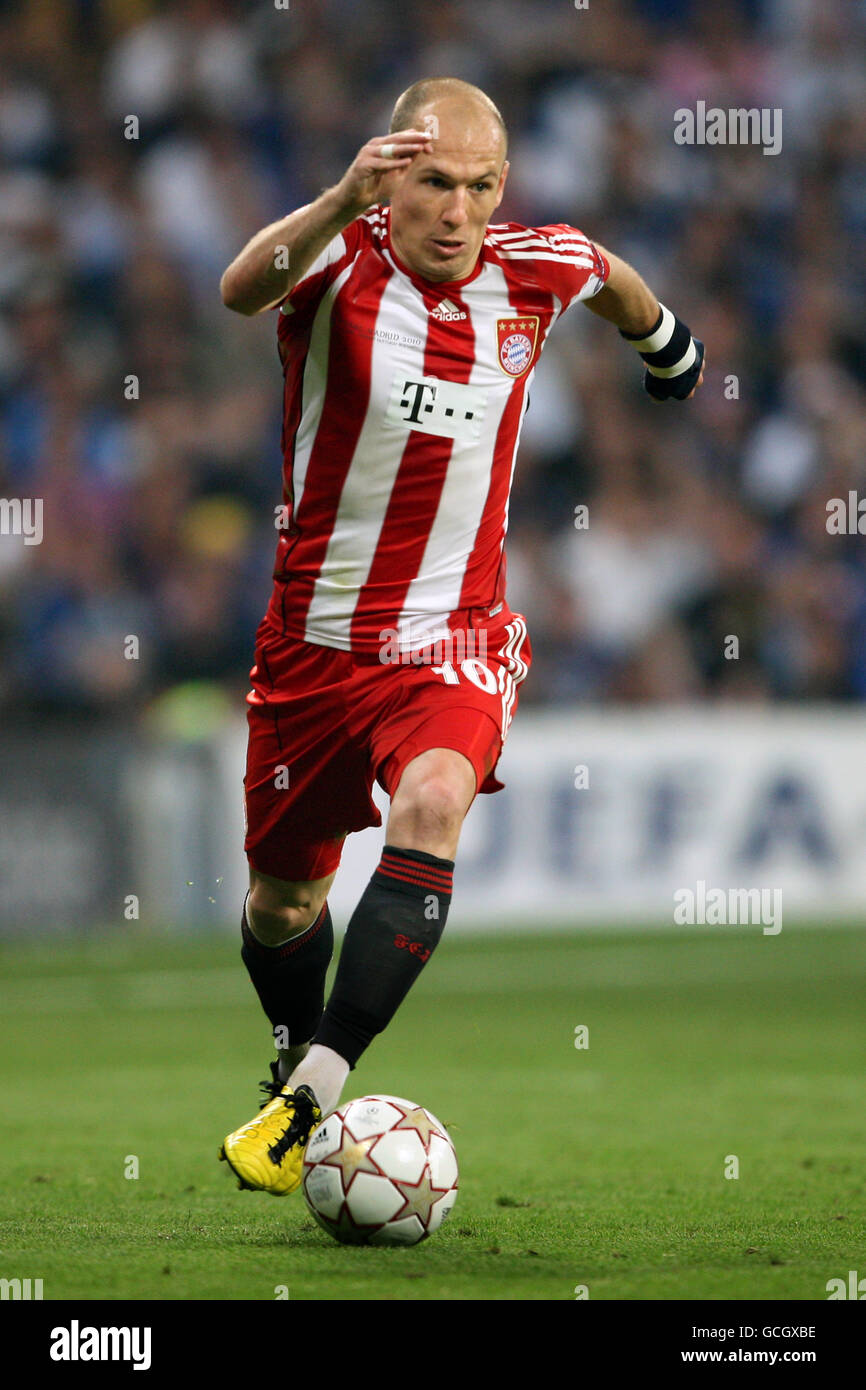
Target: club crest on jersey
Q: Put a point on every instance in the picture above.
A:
(515, 342)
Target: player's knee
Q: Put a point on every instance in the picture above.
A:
(275, 915)
(430, 811)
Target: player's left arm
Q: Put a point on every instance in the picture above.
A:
(674, 359)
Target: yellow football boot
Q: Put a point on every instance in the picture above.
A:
(267, 1154)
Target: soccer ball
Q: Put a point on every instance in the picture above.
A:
(380, 1171)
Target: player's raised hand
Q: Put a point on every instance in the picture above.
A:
(364, 182)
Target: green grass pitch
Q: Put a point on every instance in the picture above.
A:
(601, 1166)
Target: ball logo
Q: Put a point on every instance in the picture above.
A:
(516, 339)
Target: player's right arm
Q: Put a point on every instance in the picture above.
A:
(277, 257)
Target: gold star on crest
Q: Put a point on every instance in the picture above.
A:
(352, 1157)
(420, 1121)
(419, 1197)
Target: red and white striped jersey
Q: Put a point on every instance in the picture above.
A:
(403, 405)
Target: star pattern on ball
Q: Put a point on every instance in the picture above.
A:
(353, 1156)
(419, 1197)
(345, 1229)
(420, 1121)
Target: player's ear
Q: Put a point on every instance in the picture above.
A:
(501, 189)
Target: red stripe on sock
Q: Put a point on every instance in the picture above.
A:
(416, 880)
(431, 870)
(288, 948)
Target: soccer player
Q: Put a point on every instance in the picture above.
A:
(409, 329)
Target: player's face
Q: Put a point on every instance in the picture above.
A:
(441, 204)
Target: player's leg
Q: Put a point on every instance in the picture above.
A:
(288, 941)
(430, 803)
(433, 751)
(305, 788)
(399, 920)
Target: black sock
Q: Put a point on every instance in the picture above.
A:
(392, 933)
(290, 979)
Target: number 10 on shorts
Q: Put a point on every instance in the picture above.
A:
(474, 669)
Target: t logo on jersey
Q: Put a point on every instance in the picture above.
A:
(515, 343)
(445, 408)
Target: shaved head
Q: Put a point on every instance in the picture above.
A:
(450, 93)
(442, 202)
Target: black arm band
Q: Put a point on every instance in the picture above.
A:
(673, 357)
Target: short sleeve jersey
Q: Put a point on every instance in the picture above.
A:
(403, 405)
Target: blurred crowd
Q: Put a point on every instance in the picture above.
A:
(141, 144)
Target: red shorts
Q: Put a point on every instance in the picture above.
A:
(325, 724)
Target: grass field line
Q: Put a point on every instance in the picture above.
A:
(466, 972)
(146, 989)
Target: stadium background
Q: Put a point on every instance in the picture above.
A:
(705, 522)
(642, 760)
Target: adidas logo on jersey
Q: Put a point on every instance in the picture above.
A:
(447, 312)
